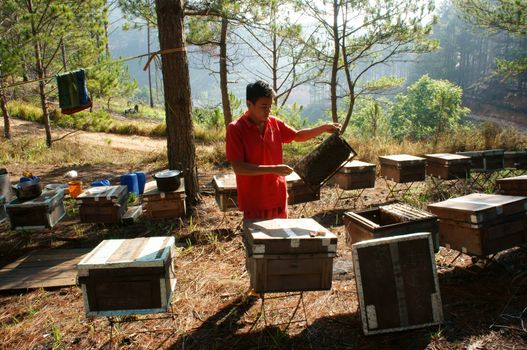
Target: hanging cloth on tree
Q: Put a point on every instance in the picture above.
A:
(73, 94)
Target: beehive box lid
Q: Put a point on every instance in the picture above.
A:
(124, 253)
(447, 157)
(520, 178)
(103, 195)
(515, 153)
(225, 182)
(48, 199)
(483, 153)
(397, 283)
(356, 166)
(151, 193)
(288, 236)
(401, 159)
(478, 207)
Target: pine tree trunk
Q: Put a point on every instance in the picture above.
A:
(227, 114)
(5, 113)
(63, 52)
(178, 103)
(40, 75)
(107, 44)
(274, 67)
(149, 71)
(334, 68)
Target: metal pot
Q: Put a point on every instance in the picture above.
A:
(168, 180)
(28, 189)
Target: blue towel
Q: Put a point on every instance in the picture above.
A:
(73, 93)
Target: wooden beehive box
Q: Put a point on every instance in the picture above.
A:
(390, 220)
(225, 192)
(3, 214)
(162, 205)
(515, 159)
(299, 192)
(447, 166)
(402, 168)
(481, 224)
(487, 160)
(397, 283)
(103, 204)
(289, 255)
(355, 175)
(128, 276)
(513, 186)
(42, 212)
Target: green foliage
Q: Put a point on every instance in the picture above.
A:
(57, 337)
(387, 31)
(132, 199)
(509, 15)
(508, 68)
(71, 207)
(370, 118)
(24, 111)
(473, 56)
(90, 121)
(430, 107)
(110, 78)
(236, 104)
(292, 115)
(138, 12)
(207, 117)
(11, 46)
(383, 83)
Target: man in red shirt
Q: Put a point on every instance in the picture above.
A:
(254, 149)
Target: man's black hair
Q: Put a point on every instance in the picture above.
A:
(259, 89)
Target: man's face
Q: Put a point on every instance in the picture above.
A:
(259, 111)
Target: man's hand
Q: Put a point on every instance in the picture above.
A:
(282, 170)
(307, 134)
(332, 127)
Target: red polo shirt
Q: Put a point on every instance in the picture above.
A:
(259, 196)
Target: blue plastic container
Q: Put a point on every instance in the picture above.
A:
(141, 180)
(101, 182)
(130, 180)
(32, 178)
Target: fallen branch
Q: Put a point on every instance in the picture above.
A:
(65, 135)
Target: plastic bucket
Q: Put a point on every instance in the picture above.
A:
(141, 180)
(75, 188)
(130, 181)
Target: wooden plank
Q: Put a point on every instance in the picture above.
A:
(48, 257)
(32, 264)
(49, 283)
(41, 269)
(37, 275)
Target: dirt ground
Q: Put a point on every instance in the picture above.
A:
(484, 305)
